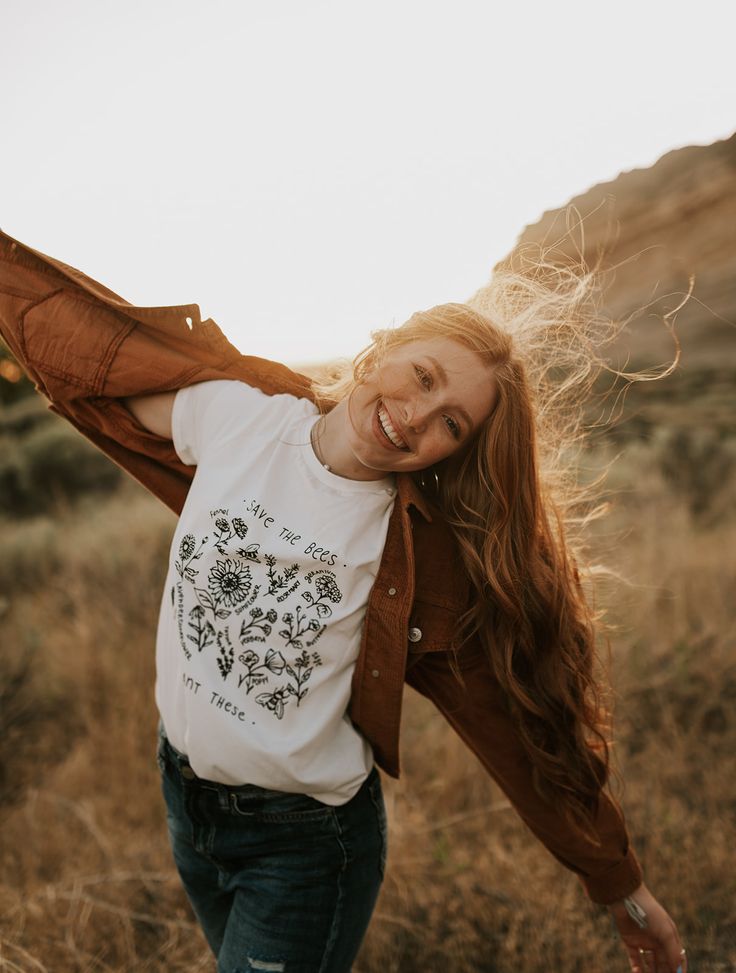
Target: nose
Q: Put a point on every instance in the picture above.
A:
(416, 415)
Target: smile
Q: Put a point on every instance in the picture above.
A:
(388, 430)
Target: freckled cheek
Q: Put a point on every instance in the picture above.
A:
(435, 451)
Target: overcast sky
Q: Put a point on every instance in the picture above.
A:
(308, 170)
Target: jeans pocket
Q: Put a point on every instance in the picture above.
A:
(275, 807)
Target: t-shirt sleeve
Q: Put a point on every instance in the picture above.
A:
(206, 415)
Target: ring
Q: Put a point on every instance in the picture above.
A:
(683, 951)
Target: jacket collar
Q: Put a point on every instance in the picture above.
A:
(411, 496)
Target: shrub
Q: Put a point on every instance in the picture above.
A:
(60, 464)
(13, 477)
(20, 417)
(698, 463)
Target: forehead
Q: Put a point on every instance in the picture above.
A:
(454, 355)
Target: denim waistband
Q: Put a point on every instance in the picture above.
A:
(181, 762)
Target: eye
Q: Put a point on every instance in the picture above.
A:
(452, 426)
(425, 378)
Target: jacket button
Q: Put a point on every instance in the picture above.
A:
(375, 673)
(187, 773)
(392, 591)
(415, 634)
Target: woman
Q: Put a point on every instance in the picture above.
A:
(404, 521)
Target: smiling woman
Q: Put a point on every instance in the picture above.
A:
(409, 521)
(408, 411)
(447, 394)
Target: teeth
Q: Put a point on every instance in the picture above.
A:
(389, 430)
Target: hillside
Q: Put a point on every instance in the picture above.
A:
(658, 227)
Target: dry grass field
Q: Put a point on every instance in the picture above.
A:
(86, 881)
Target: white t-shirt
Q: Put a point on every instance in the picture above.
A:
(271, 566)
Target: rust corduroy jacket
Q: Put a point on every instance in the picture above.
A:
(85, 348)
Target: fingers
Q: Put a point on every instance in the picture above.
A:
(643, 960)
(635, 960)
(665, 953)
(676, 956)
(682, 961)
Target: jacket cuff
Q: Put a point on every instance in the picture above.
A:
(616, 883)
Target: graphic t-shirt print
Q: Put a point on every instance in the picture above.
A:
(257, 615)
(261, 620)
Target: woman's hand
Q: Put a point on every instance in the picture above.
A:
(657, 947)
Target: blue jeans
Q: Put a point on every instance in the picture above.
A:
(278, 882)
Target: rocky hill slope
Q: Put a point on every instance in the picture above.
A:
(659, 227)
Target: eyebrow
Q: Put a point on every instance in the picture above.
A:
(442, 375)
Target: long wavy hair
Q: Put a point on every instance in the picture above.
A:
(518, 509)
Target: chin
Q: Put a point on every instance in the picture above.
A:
(371, 463)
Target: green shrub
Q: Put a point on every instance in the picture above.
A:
(19, 418)
(30, 553)
(697, 462)
(13, 477)
(61, 464)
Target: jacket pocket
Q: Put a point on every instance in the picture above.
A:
(433, 628)
(71, 342)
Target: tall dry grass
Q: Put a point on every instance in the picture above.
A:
(86, 881)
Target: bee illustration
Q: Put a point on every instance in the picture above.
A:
(276, 701)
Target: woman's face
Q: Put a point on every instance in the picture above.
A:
(423, 402)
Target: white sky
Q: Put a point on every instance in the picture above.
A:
(308, 170)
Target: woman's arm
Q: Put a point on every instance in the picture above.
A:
(153, 411)
(606, 864)
(608, 868)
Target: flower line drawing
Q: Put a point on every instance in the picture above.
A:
(187, 554)
(327, 590)
(226, 656)
(229, 585)
(226, 530)
(232, 588)
(274, 662)
(300, 671)
(204, 632)
(258, 623)
(298, 626)
(276, 580)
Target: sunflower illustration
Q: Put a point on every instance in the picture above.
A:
(229, 582)
(186, 548)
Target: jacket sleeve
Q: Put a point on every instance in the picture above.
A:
(85, 349)
(77, 340)
(608, 869)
